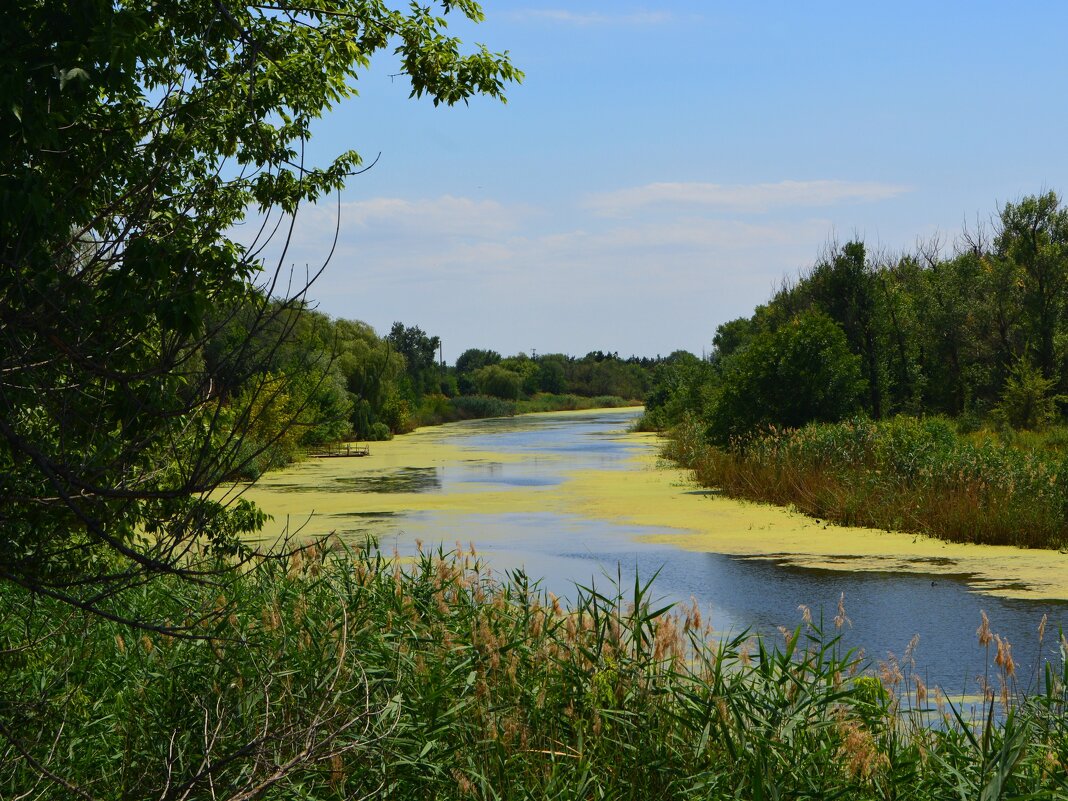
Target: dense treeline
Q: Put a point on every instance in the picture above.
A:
(305, 380)
(978, 335)
(968, 333)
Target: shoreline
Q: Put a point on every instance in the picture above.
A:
(653, 494)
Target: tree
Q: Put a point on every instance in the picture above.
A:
(468, 362)
(799, 373)
(420, 352)
(844, 287)
(1033, 237)
(135, 134)
(498, 381)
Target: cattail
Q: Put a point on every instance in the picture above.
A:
(146, 643)
(120, 643)
(337, 771)
(890, 672)
(721, 708)
(296, 562)
(1008, 664)
(859, 751)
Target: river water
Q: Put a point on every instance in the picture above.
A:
(572, 499)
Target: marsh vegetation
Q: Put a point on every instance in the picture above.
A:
(345, 674)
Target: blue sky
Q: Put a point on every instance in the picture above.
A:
(665, 165)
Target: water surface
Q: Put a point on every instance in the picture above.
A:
(572, 498)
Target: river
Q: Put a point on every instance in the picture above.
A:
(573, 498)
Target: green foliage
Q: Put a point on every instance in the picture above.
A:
(499, 382)
(333, 675)
(1027, 400)
(549, 402)
(135, 136)
(680, 385)
(905, 474)
(420, 352)
(468, 362)
(1033, 243)
(798, 373)
(471, 407)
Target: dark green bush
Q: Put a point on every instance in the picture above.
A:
(798, 373)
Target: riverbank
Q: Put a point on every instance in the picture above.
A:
(705, 520)
(917, 475)
(433, 480)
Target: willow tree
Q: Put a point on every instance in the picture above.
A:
(135, 135)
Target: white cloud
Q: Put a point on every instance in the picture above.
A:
(592, 18)
(486, 273)
(446, 215)
(741, 197)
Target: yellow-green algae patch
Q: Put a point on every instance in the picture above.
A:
(655, 494)
(646, 493)
(314, 491)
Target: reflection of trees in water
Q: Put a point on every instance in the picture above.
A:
(406, 479)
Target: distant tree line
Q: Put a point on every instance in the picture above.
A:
(978, 332)
(310, 380)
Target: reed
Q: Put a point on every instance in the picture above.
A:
(344, 674)
(906, 474)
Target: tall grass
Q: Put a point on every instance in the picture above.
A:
(346, 675)
(907, 474)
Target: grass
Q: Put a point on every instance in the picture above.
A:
(348, 675)
(906, 474)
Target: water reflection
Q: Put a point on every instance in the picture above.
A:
(407, 479)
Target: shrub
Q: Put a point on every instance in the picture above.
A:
(798, 373)
(472, 407)
(1027, 401)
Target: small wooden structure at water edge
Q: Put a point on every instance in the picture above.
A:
(340, 449)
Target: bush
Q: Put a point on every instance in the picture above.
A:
(379, 433)
(799, 373)
(473, 407)
(498, 382)
(1027, 402)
